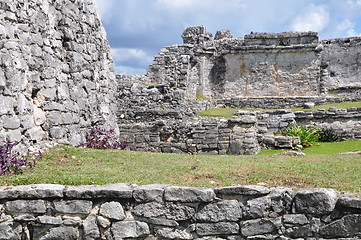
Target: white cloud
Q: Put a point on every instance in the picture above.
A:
(130, 61)
(119, 69)
(314, 18)
(354, 3)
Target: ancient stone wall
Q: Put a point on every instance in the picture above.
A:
(124, 211)
(262, 64)
(141, 100)
(341, 61)
(247, 133)
(56, 72)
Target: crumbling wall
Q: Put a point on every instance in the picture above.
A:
(125, 211)
(262, 64)
(56, 72)
(341, 61)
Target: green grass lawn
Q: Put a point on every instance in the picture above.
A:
(75, 166)
(229, 112)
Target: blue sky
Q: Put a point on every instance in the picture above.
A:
(138, 29)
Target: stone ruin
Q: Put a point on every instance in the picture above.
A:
(261, 70)
(57, 81)
(56, 72)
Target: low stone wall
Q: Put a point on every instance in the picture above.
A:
(243, 135)
(283, 102)
(123, 211)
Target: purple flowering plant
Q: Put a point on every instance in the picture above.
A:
(12, 162)
(101, 138)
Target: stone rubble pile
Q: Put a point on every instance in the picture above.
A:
(123, 211)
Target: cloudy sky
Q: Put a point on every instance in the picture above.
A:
(138, 29)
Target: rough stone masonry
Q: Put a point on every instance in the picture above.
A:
(56, 72)
(124, 211)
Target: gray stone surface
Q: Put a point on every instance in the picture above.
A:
(348, 202)
(26, 206)
(60, 46)
(187, 194)
(174, 233)
(218, 212)
(221, 228)
(315, 201)
(130, 229)
(149, 193)
(348, 226)
(258, 227)
(250, 190)
(48, 220)
(112, 210)
(10, 231)
(118, 190)
(32, 191)
(68, 233)
(90, 227)
(73, 206)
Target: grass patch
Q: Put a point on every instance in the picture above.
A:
(75, 166)
(218, 112)
(322, 148)
(229, 112)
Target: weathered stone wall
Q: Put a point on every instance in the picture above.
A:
(56, 72)
(247, 133)
(284, 64)
(123, 211)
(261, 64)
(341, 61)
(142, 100)
(283, 102)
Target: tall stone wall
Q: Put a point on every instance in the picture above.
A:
(124, 211)
(341, 61)
(56, 72)
(261, 64)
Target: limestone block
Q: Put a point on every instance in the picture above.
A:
(295, 219)
(48, 220)
(58, 132)
(258, 227)
(222, 211)
(315, 201)
(112, 210)
(69, 233)
(27, 121)
(221, 228)
(7, 105)
(174, 233)
(73, 206)
(118, 190)
(32, 191)
(39, 116)
(11, 122)
(149, 193)
(35, 133)
(10, 230)
(348, 226)
(179, 212)
(103, 222)
(351, 203)
(188, 194)
(25, 206)
(130, 229)
(248, 190)
(90, 227)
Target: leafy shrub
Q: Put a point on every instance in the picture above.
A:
(329, 135)
(101, 138)
(12, 163)
(308, 135)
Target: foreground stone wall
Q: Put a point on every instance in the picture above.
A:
(56, 72)
(123, 211)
